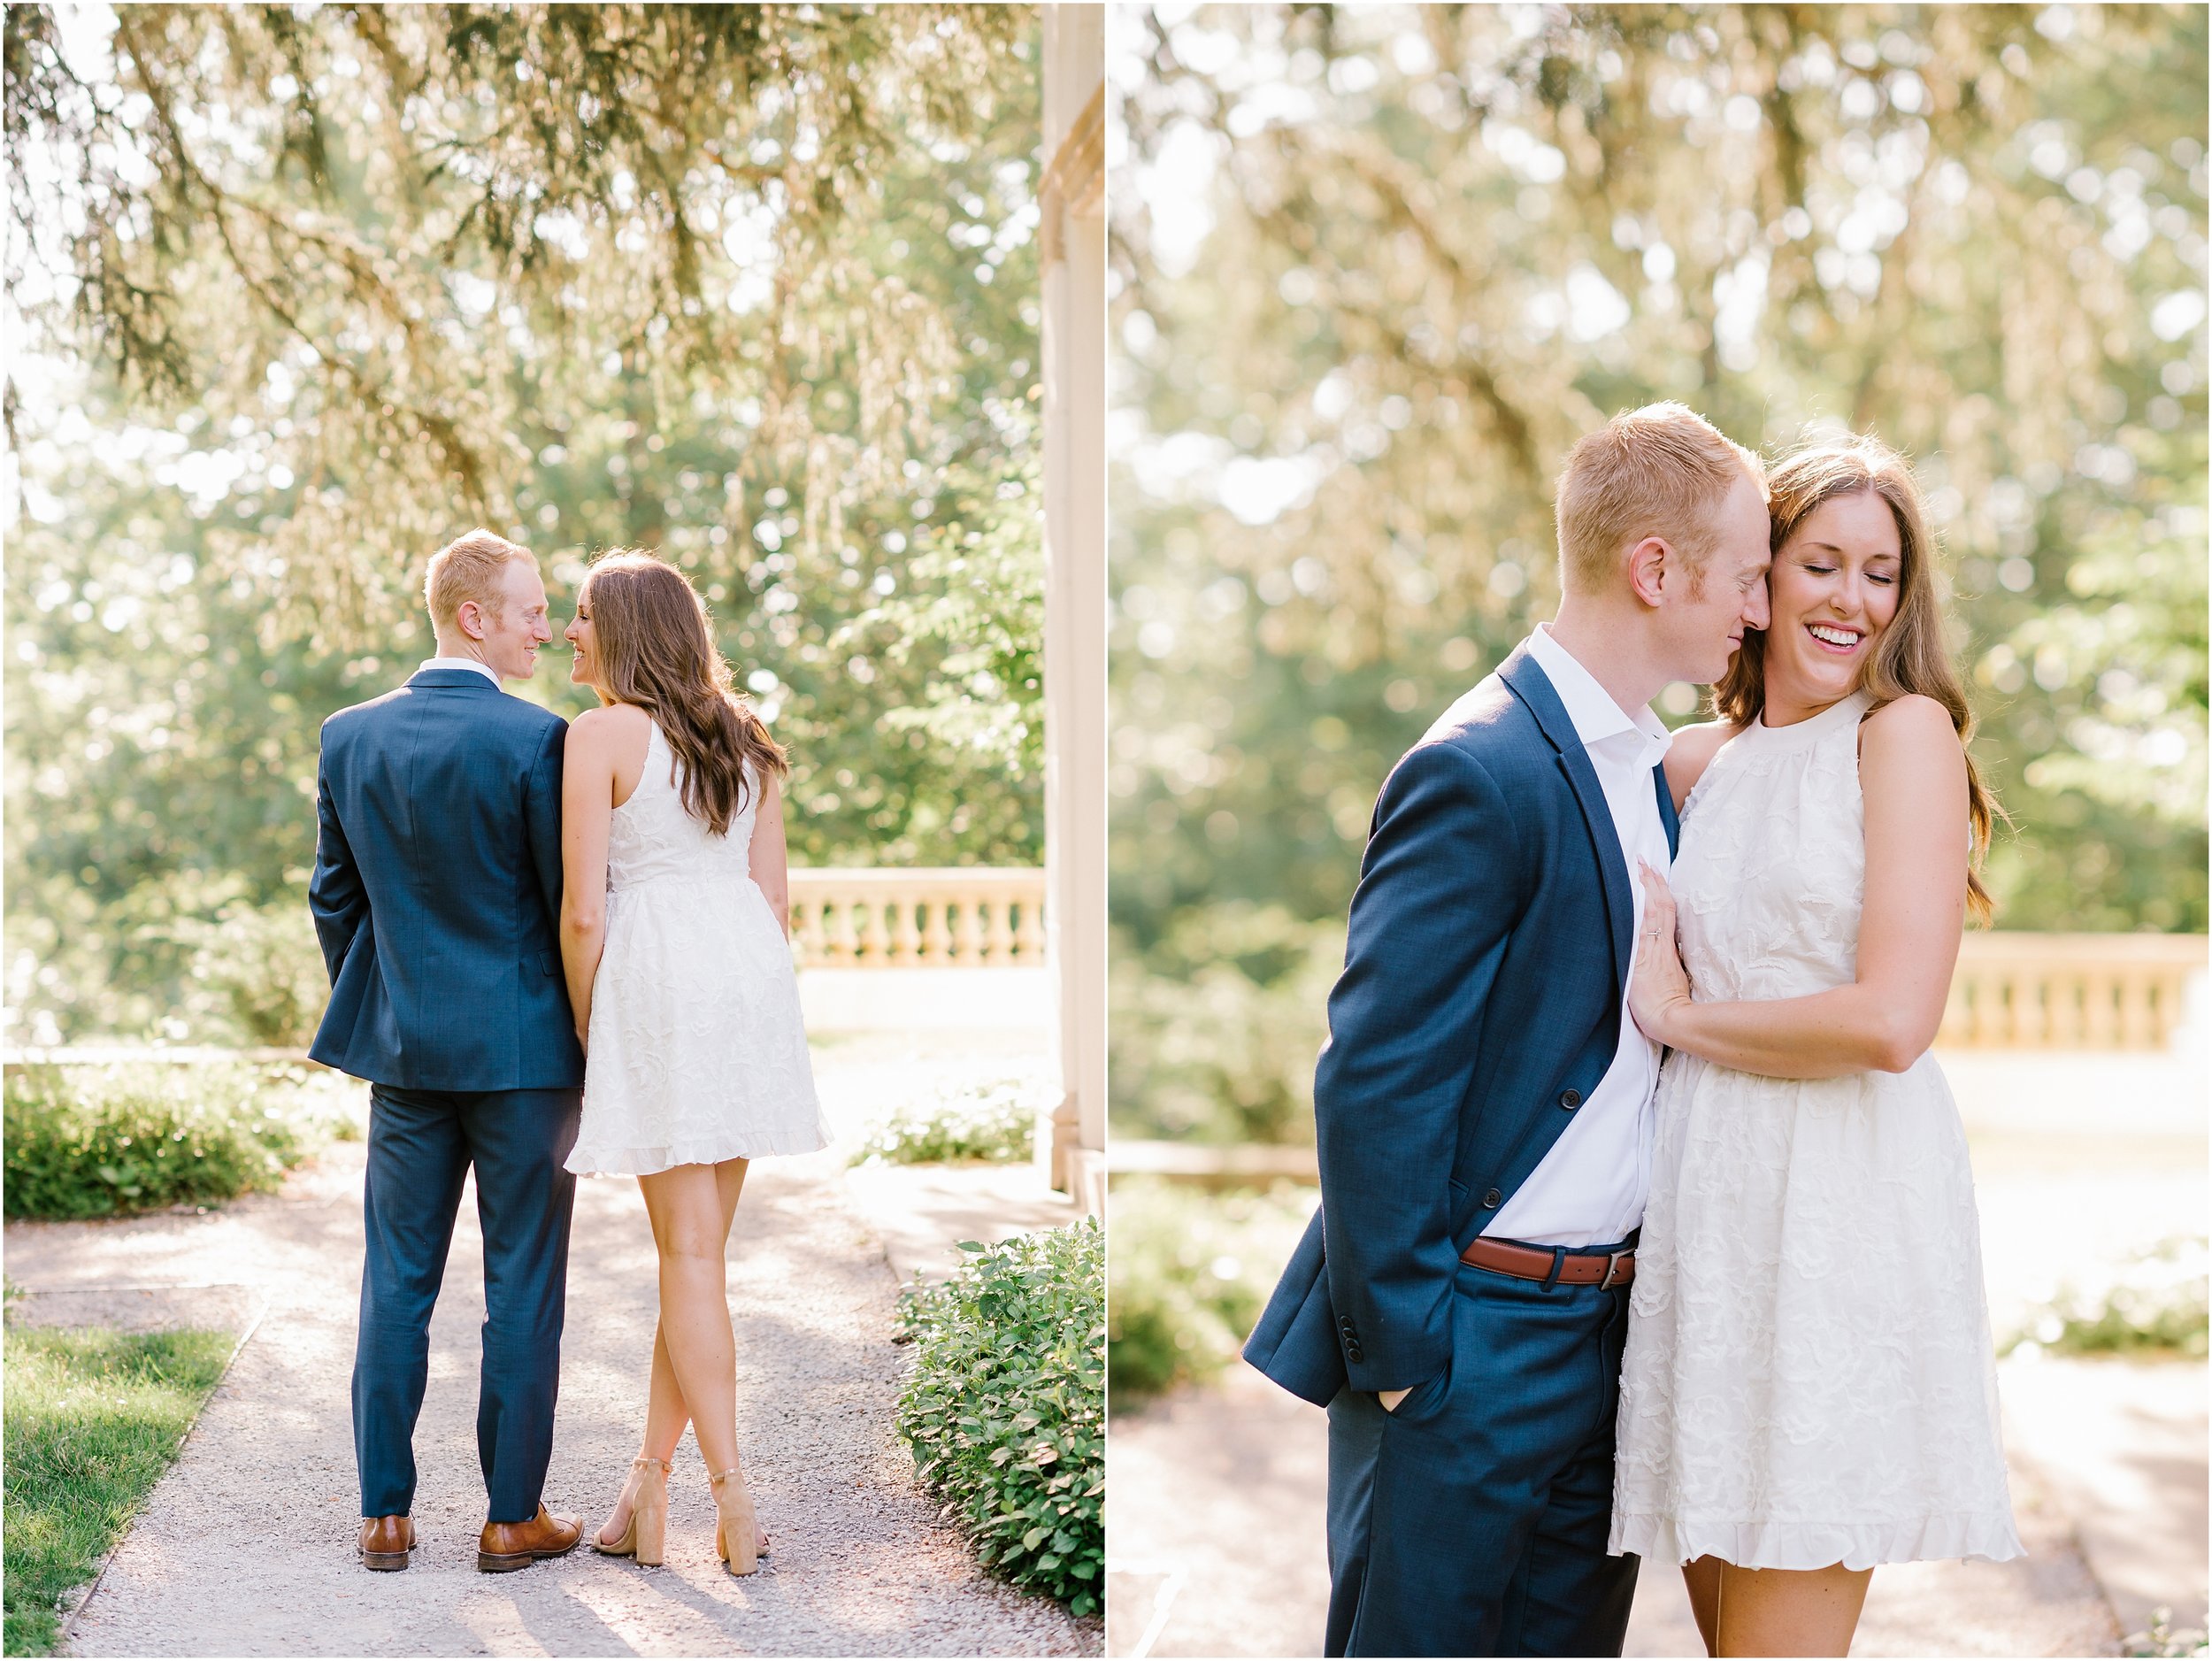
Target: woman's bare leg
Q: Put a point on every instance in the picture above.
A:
(1790, 1612)
(1701, 1576)
(667, 1411)
(665, 1414)
(691, 1232)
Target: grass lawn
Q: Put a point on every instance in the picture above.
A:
(94, 1417)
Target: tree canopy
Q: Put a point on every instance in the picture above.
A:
(1379, 266)
(402, 241)
(309, 291)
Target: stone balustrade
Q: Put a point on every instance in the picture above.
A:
(2012, 991)
(943, 917)
(2028, 991)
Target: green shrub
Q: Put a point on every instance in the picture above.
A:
(99, 1140)
(2155, 1302)
(992, 1120)
(1191, 1271)
(93, 1419)
(1006, 1407)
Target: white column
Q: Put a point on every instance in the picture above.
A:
(1072, 200)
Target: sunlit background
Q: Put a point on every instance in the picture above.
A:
(291, 303)
(1375, 269)
(297, 294)
(1379, 267)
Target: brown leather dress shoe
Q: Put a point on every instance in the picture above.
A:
(506, 1546)
(386, 1541)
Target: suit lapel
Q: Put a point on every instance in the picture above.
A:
(1529, 683)
(1667, 815)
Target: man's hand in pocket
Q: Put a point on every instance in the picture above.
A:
(1391, 1398)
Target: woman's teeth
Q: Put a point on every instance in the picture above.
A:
(1843, 637)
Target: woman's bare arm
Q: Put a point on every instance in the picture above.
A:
(588, 793)
(1912, 776)
(767, 861)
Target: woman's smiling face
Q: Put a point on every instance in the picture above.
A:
(584, 671)
(1834, 588)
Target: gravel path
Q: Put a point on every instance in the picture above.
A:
(1215, 1504)
(246, 1547)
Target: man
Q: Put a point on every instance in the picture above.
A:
(436, 892)
(1483, 1105)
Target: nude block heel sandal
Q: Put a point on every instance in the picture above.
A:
(646, 1539)
(736, 1530)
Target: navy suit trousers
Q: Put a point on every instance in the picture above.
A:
(421, 1145)
(1472, 1520)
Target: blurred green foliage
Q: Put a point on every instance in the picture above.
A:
(991, 1119)
(1216, 1031)
(105, 1141)
(779, 325)
(1377, 267)
(1191, 1271)
(2153, 1303)
(2162, 1638)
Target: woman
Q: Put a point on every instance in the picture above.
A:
(1807, 1389)
(674, 932)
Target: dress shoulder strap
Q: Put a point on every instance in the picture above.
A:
(657, 773)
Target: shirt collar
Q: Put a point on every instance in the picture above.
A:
(1596, 717)
(484, 669)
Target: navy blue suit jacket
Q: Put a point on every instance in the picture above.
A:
(437, 890)
(1490, 937)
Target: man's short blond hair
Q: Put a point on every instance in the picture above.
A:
(470, 567)
(1660, 471)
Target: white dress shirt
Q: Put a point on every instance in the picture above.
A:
(1589, 1189)
(483, 669)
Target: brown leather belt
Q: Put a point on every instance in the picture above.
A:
(1600, 1269)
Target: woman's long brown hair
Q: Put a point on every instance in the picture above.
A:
(1909, 656)
(654, 650)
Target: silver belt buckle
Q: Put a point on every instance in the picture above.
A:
(1612, 1267)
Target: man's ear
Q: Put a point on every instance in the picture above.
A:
(470, 616)
(1650, 563)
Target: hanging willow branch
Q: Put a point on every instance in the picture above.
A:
(390, 238)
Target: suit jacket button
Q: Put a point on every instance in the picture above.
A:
(1492, 1200)
(1571, 1099)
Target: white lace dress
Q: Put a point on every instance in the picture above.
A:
(697, 1050)
(1808, 1378)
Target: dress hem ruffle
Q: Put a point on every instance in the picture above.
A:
(645, 1162)
(1987, 1534)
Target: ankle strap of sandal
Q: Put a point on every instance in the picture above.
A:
(662, 1466)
